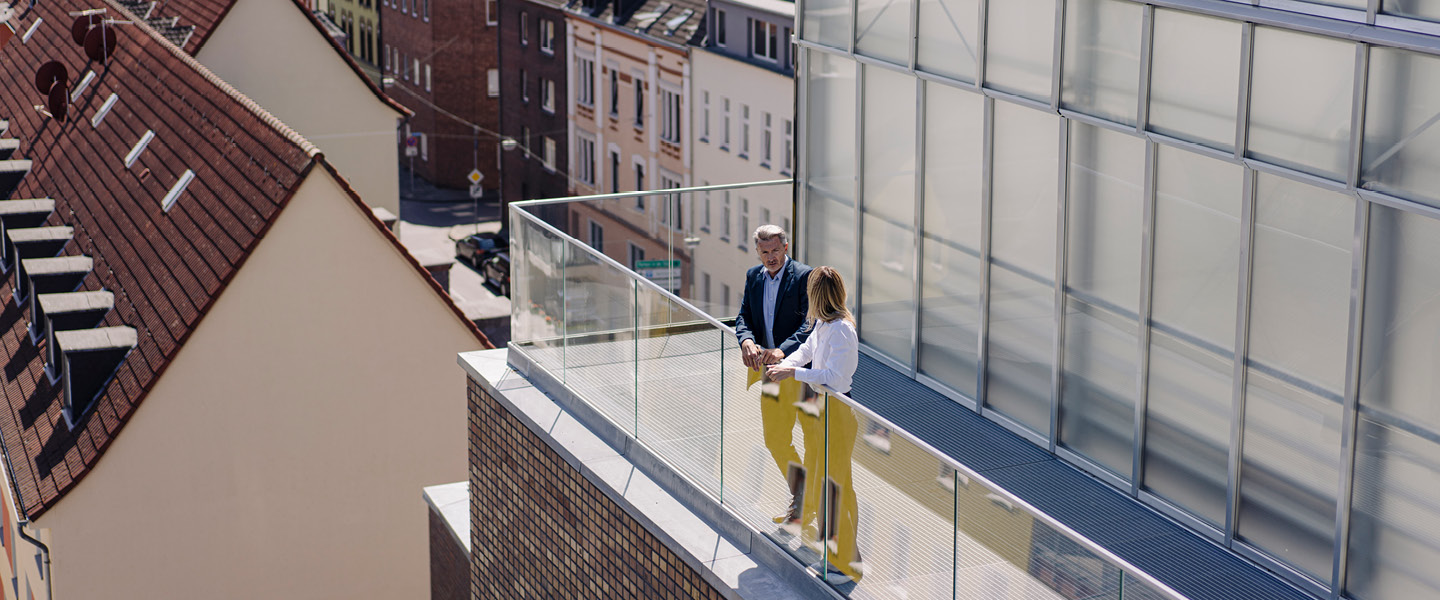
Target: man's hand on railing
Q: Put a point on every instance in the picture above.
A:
(752, 354)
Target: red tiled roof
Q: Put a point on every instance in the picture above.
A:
(165, 268)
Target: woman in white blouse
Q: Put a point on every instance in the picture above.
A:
(833, 351)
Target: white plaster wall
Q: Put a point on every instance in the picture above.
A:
(283, 453)
(269, 51)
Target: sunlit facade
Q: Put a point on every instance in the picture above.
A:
(1187, 246)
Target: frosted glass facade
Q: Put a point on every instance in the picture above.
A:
(1193, 253)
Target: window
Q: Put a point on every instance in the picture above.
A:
(670, 208)
(547, 36)
(789, 146)
(725, 218)
(725, 124)
(493, 78)
(389, 66)
(637, 254)
(705, 287)
(639, 102)
(640, 180)
(427, 78)
(585, 81)
(415, 72)
(547, 95)
(525, 86)
(765, 216)
(424, 147)
(763, 40)
(705, 116)
(765, 142)
(720, 27)
(744, 130)
(597, 236)
(585, 156)
(705, 211)
(669, 116)
(785, 224)
(614, 171)
(549, 153)
(524, 28)
(725, 296)
(525, 135)
(492, 12)
(744, 221)
(427, 10)
(614, 93)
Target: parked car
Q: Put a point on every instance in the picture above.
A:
(477, 248)
(497, 272)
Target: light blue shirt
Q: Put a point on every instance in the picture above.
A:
(772, 292)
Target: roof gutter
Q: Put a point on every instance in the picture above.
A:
(49, 584)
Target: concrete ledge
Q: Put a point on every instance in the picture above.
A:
(452, 502)
(705, 534)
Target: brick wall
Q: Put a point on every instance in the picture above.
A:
(527, 178)
(539, 529)
(449, 564)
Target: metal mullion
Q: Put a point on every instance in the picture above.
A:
(1358, 99)
(1293, 175)
(1147, 280)
(941, 79)
(987, 167)
(854, 21)
(1020, 100)
(1201, 149)
(1242, 115)
(882, 63)
(1147, 57)
(1372, 10)
(800, 193)
(859, 195)
(1099, 122)
(1057, 356)
(1057, 57)
(980, 43)
(914, 40)
(919, 229)
(1242, 337)
(1399, 203)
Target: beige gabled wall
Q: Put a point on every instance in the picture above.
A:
(283, 453)
(269, 51)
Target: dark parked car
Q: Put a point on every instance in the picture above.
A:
(476, 249)
(497, 272)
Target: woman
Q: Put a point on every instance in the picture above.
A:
(833, 351)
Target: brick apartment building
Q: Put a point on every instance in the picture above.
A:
(442, 57)
(532, 95)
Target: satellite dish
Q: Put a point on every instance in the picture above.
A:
(50, 73)
(59, 101)
(82, 26)
(100, 43)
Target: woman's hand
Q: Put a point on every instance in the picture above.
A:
(779, 373)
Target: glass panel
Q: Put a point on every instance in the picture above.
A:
(1402, 142)
(1417, 9)
(1102, 58)
(1022, 273)
(830, 172)
(887, 312)
(1195, 78)
(1395, 522)
(888, 509)
(539, 300)
(882, 29)
(679, 409)
(1020, 42)
(600, 334)
(1196, 273)
(1300, 101)
(949, 33)
(1102, 295)
(828, 22)
(1295, 381)
(950, 306)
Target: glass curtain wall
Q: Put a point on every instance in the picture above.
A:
(1193, 254)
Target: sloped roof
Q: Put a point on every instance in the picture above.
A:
(166, 269)
(673, 21)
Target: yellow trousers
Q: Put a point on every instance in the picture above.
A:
(778, 416)
(832, 456)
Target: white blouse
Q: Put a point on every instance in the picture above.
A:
(833, 351)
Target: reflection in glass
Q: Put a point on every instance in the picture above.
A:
(887, 296)
(882, 29)
(1022, 271)
(1102, 58)
(677, 412)
(1196, 273)
(1402, 125)
(1415, 9)
(830, 155)
(1402, 318)
(1294, 385)
(1020, 39)
(950, 287)
(948, 38)
(827, 22)
(1195, 77)
(1102, 295)
(1300, 101)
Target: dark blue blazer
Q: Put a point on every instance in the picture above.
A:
(791, 304)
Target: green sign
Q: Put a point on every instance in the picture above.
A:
(656, 264)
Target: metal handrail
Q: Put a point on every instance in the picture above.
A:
(959, 467)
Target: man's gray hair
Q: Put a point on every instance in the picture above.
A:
(766, 233)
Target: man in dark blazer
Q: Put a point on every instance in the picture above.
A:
(771, 325)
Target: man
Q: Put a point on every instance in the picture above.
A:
(770, 326)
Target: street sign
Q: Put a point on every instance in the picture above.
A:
(476, 192)
(475, 177)
(411, 151)
(656, 264)
(665, 273)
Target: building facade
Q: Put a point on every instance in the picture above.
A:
(628, 93)
(534, 50)
(442, 56)
(742, 129)
(1183, 246)
(360, 20)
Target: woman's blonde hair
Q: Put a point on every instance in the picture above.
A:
(827, 296)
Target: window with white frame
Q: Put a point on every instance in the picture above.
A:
(670, 115)
(614, 171)
(789, 145)
(705, 116)
(765, 140)
(547, 95)
(785, 224)
(524, 86)
(415, 73)
(585, 80)
(492, 12)
(720, 27)
(637, 254)
(614, 91)
(640, 180)
(549, 156)
(705, 287)
(585, 158)
(492, 78)
(763, 43)
(725, 296)
(547, 36)
(744, 221)
(724, 123)
(388, 65)
(597, 236)
(725, 217)
(744, 130)
(765, 216)
(427, 78)
(524, 28)
(525, 131)
(427, 10)
(670, 208)
(639, 102)
(424, 147)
